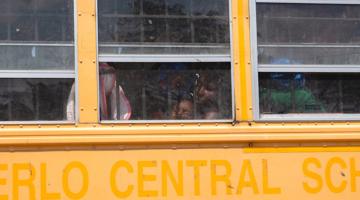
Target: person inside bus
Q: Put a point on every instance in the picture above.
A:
(114, 105)
(168, 85)
(207, 96)
(70, 105)
(287, 92)
(184, 109)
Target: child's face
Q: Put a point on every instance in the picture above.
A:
(205, 94)
(185, 110)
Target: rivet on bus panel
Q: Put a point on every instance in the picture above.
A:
(2, 126)
(181, 124)
(164, 125)
(21, 126)
(95, 109)
(147, 125)
(199, 124)
(58, 126)
(82, 109)
(39, 126)
(79, 13)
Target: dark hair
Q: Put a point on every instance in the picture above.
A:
(106, 69)
(209, 81)
(188, 97)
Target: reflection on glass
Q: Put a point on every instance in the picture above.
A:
(4, 6)
(165, 91)
(282, 93)
(308, 55)
(210, 7)
(51, 31)
(179, 30)
(3, 30)
(308, 33)
(36, 34)
(36, 58)
(178, 7)
(154, 7)
(29, 19)
(308, 23)
(210, 31)
(145, 23)
(154, 30)
(33, 99)
(22, 29)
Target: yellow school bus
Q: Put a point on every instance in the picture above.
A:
(180, 99)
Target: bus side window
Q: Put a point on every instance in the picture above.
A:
(307, 56)
(171, 57)
(37, 62)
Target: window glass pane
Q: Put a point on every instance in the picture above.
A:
(282, 93)
(3, 29)
(178, 7)
(154, 7)
(154, 30)
(34, 99)
(36, 34)
(18, 57)
(30, 20)
(165, 25)
(210, 8)
(308, 33)
(165, 91)
(309, 55)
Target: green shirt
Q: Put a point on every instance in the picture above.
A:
(297, 101)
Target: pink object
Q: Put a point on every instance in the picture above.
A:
(108, 96)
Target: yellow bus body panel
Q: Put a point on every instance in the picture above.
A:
(87, 111)
(330, 173)
(196, 161)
